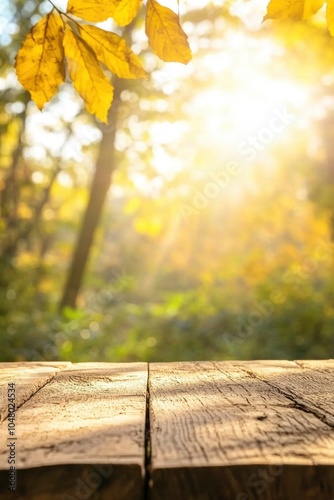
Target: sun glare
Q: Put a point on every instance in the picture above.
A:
(244, 108)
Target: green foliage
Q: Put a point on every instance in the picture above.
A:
(183, 326)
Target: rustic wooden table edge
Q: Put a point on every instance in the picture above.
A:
(199, 430)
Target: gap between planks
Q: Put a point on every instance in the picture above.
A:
(246, 367)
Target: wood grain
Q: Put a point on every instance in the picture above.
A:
(28, 377)
(89, 414)
(216, 430)
(308, 385)
(76, 482)
(217, 425)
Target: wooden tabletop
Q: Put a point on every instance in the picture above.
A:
(194, 430)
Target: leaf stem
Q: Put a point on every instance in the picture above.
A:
(54, 6)
(63, 13)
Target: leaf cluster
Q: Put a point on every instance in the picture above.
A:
(63, 44)
(298, 10)
(59, 45)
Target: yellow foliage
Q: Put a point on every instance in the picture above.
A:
(133, 205)
(25, 212)
(311, 7)
(166, 37)
(92, 10)
(126, 11)
(113, 52)
(46, 286)
(27, 259)
(149, 227)
(87, 75)
(122, 11)
(293, 9)
(40, 61)
(330, 16)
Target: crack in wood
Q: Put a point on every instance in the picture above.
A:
(216, 427)
(30, 397)
(291, 397)
(148, 443)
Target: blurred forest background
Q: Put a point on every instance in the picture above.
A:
(199, 224)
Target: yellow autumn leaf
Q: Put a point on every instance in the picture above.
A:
(126, 11)
(39, 63)
(311, 7)
(113, 52)
(87, 76)
(166, 37)
(92, 10)
(330, 16)
(293, 9)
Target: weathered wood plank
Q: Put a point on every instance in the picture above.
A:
(316, 363)
(308, 385)
(89, 414)
(253, 482)
(76, 482)
(215, 429)
(28, 377)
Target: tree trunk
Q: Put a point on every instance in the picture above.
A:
(105, 167)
